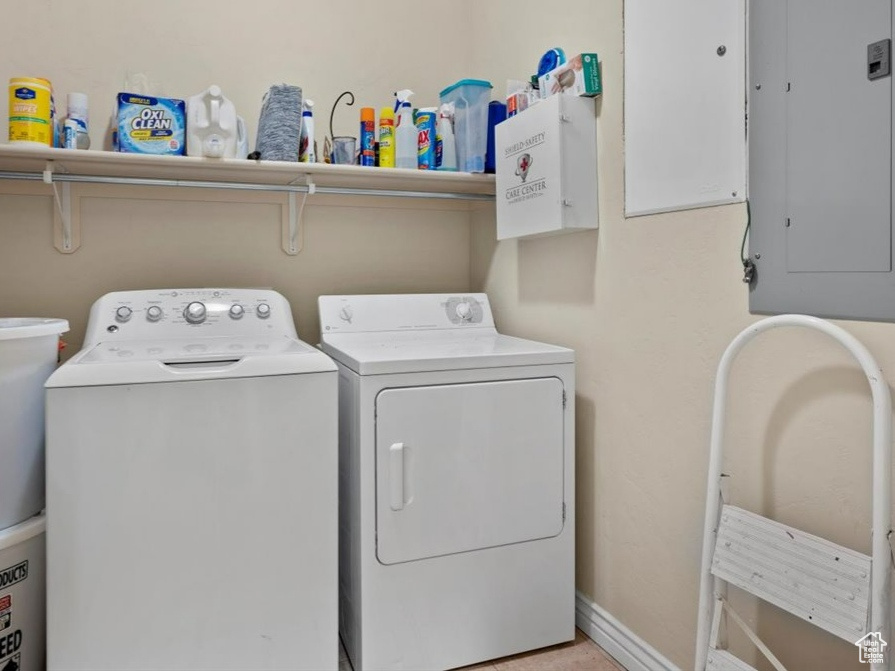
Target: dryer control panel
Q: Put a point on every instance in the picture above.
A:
(404, 312)
(179, 313)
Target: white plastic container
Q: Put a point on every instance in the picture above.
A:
(211, 125)
(470, 98)
(306, 149)
(23, 596)
(75, 129)
(28, 353)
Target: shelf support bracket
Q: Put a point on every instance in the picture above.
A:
(293, 224)
(66, 224)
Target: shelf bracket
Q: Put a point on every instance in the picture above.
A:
(66, 224)
(293, 224)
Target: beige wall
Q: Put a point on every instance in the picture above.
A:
(158, 239)
(649, 304)
(325, 47)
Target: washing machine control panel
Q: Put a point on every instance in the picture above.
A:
(404, 312)
(175, 313)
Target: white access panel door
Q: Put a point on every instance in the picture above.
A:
(685, 120)
(467, 466)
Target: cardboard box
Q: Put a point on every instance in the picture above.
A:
(580, 76)
(547, 169)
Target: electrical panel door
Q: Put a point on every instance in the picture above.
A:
(820, 157)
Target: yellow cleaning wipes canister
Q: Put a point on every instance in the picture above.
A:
(29, 111)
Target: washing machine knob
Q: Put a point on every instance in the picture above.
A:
(263, 311)
(123, 313)
(236, 311)
(153, 313)
(464, 310)
(195, 312)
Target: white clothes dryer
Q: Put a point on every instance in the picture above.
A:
(192, 489)
(456, 483)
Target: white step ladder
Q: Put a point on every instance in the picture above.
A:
(843, 592)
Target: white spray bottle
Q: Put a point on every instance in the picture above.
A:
(406, 133)
(306, 152)
(446, 146)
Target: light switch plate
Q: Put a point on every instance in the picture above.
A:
(878, 59)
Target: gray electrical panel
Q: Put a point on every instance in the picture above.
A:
(820, 158)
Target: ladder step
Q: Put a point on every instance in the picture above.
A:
(823, 583)
(721, 660)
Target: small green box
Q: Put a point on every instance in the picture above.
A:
(580, 76)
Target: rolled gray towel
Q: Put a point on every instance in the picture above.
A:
(279, 127)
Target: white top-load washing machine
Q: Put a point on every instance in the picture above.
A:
(456, 482)
(192, 488)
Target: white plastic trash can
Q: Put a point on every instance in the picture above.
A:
(23, 596)
(28, 354)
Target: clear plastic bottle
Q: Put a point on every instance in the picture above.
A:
(405, 134)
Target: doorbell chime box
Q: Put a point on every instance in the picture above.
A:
(547, 169)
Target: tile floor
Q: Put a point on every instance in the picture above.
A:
(580, 655)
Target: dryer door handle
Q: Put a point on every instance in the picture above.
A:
(396, 476)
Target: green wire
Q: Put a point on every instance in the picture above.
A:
(743, 256)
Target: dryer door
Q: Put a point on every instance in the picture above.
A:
(467, 466)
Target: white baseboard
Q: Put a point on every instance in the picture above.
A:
(628, 649)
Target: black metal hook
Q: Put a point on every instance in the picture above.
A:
(333, 110)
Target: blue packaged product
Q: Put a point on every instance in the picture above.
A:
(497, 112)
(425, 128)
(148, 125)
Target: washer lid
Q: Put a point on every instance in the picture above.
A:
(390, 352)
(146, 361)
(30, 327)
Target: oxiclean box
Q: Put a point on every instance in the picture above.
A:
(149, 125)
(547, 169)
